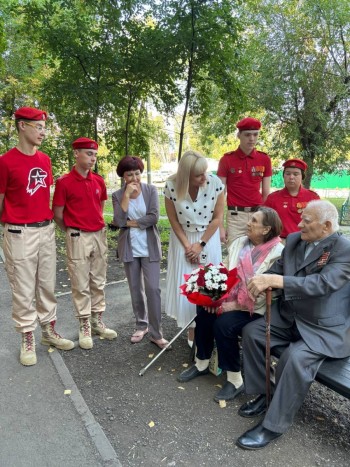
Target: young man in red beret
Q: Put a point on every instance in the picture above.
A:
(29, 234)
(246, 172)
(293, 198)
(78, 208)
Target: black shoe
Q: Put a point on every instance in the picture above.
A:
(191, 373)
(257, 438)
(228, 392)
(253, 408)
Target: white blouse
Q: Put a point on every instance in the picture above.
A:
(194, 216)
(138, 237)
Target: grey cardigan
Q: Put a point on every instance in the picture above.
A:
(148, 222)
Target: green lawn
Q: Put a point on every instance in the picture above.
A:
(337, 202)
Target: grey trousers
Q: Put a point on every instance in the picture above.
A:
(295, 371)
(143, 279)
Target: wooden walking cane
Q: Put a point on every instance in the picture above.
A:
(267, 348)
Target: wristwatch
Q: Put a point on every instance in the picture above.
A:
(202, 244)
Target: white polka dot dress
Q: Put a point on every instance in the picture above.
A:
(194, 217)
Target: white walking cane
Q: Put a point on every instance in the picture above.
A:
(143, 371)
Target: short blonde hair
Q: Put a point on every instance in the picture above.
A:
(190, 162)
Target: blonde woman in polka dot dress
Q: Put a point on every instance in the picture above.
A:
(194, 202)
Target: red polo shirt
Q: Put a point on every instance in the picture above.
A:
(289, 207)
(25, 181)
(244, 174)
(82, 200)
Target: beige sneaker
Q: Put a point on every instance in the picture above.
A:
(85, 339)
(98, 327)
(28, 355)
(50, 337)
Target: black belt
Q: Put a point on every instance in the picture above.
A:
(34, 224)
(78, 229)
(241, 209)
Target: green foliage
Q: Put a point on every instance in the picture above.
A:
(108, 60)
(301, 78)
(118, 72)
(205, 43)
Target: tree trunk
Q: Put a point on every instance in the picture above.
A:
(95, 138)
(188, 84)
(127, 123)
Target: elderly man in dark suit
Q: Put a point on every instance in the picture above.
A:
(311, 320)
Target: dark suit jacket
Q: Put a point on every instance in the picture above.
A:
(148, 222)
(316, 293)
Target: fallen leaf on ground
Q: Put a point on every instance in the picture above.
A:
(222, 404)
(67, 391)
(151, 424)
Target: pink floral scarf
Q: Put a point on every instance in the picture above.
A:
(248, 263)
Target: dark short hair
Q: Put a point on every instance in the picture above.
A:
(129, 163)
(271, 219)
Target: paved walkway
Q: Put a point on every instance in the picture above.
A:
(40, 425)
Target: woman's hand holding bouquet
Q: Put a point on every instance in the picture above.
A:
(208, 286)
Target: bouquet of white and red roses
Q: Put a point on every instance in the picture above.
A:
(209, 285)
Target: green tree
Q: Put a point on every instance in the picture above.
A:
(21, 73)
(299, 52)
(205, 44)
(109, 61)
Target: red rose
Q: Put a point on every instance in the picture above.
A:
(201, 280)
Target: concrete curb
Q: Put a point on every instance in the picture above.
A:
(2, 256)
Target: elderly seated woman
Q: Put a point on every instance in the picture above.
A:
(251, 254)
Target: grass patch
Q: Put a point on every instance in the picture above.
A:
(338, 202)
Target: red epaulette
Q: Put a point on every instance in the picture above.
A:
(231, 153)
(97, 175)
(61, 177)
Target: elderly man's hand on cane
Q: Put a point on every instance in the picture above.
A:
(262, 282)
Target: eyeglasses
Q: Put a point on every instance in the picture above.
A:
(39, 128)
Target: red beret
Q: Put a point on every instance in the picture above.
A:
(29, 113)
(249, 123)
(298, 163)
(85, 143)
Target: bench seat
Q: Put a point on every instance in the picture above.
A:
(333, 373)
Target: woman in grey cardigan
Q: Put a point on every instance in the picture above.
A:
(136, 213)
